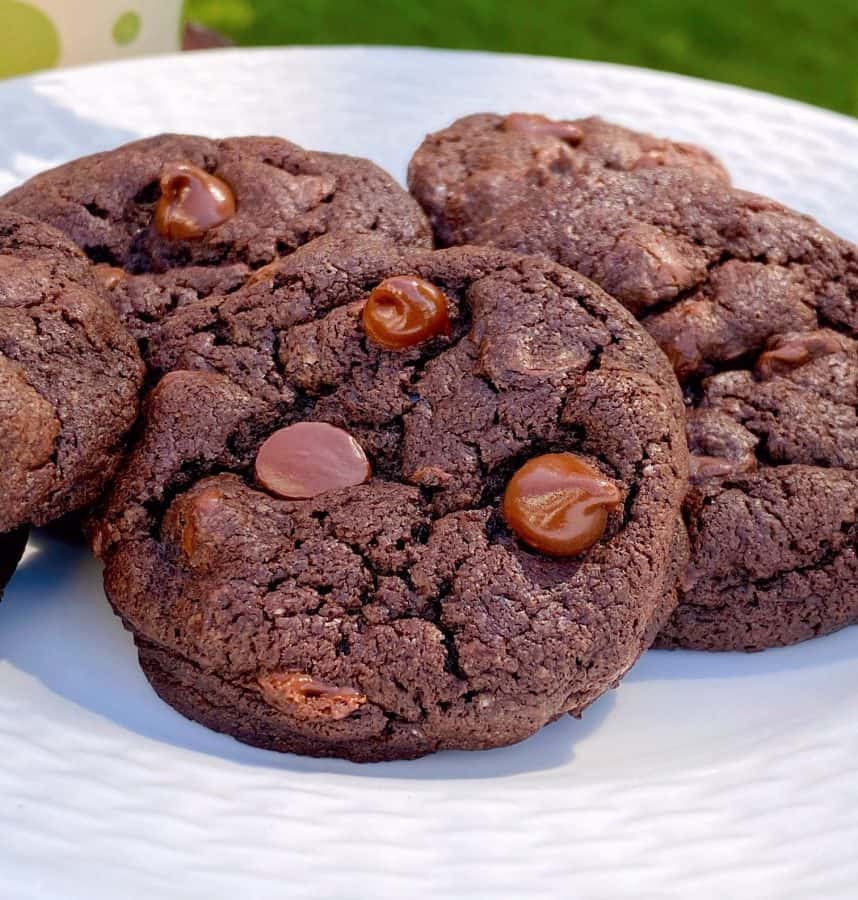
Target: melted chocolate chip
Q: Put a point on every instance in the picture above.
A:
(201, 510)
(109, 276)
(305, 697)
(405, 310)
(542, 126)
(702, 467)
(789, 351)
(308, 459)
(192, 202)
(684, 354)
(558, 504)
(719, 445)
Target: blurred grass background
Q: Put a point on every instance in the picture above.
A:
(800, 49)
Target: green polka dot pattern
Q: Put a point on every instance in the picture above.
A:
(28, 39)
(126, 28)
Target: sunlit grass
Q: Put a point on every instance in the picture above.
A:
(804, 50)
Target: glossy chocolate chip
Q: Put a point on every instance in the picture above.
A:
(789, 351)
(559, 504)
(109, 276)
(306, 697)
(308, 459)
(405, 310)
(542, 126)
(192, 202)
(719, 446)
(200, 515)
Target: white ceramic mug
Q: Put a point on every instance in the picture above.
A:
(39, 34)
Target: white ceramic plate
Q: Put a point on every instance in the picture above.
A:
(703, 776)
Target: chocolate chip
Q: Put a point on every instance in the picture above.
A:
(680, 344)
(405, 310)
(530, 123)
(558, 504)
(192, 202)
(308, 459)
(702, 467)
(305, 697)
(789, 351)
(199, 515)
(719, 445)
(109, 276)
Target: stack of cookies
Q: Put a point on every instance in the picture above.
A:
(375, 474)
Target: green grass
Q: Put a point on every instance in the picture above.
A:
(801, 49)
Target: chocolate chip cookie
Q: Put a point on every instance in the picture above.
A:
(174, 218)
(756, 307)
(69, 377)
(391, 501)
(468, 175)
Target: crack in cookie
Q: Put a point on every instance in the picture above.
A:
(409, 591)
(755, 305)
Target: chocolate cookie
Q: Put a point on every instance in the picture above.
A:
(467, 175)
(69, 377)
(756, 307)
(394, 501)
(188, 215)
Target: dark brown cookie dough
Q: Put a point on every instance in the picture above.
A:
(400, 615)
(69, 377)
(756, 307)
(282, 196)
(467, 175)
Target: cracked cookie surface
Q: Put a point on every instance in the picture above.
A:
(70, 376)
(399, 616)
(757, 308)
(284, 196)
(485, 166)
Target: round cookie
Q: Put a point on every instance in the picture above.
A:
(70, 376)
(468, 174)
(756, 307)
(188, 215)
(398, 613)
